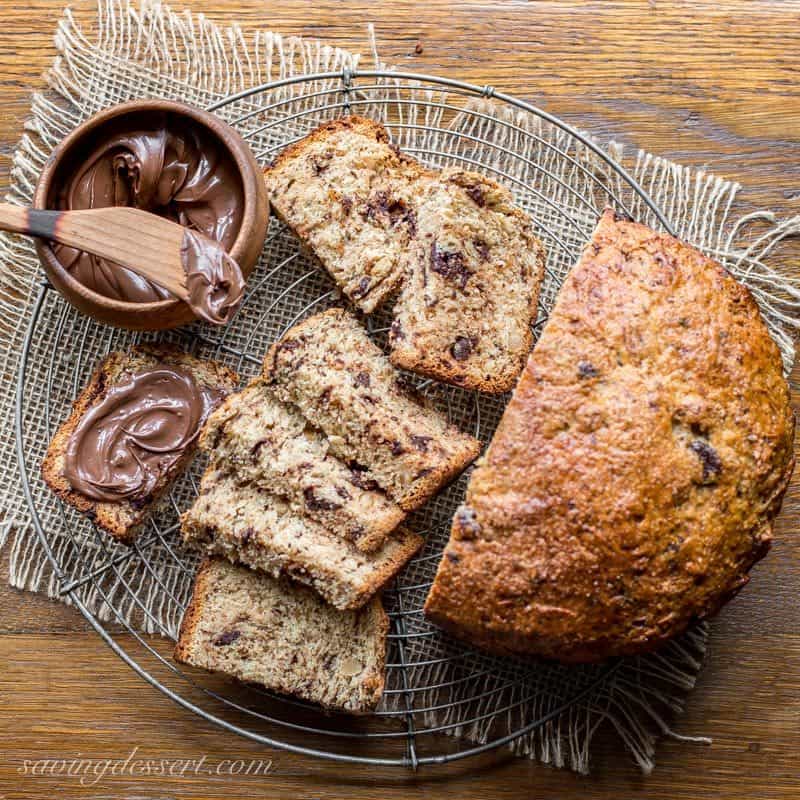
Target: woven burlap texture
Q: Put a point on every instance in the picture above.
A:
(147, 50)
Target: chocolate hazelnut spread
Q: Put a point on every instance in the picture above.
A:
(169, 168)
(123, 446)
(213, 279)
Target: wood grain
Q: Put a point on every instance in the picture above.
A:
(704, 83)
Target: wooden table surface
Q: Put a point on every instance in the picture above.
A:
(703, 83)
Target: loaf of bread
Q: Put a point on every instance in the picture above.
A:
(254, 527)
(285, 637)
(341, 190)
(341, 382)
(467, 259)
(465, 310)
(123, 519)
(269, 444)
(633, 480)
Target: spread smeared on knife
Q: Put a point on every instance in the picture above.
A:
(136, 433)
(213, 279)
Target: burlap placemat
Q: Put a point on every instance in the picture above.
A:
(147, 50)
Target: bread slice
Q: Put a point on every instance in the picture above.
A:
(270, 444)
(465, 310)
(341, 190)
(344, 385)
(636, 472)
(122, 520)
(284, 637)
(254, 527)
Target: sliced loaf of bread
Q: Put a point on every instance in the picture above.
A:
(341, 190)
(252, 526)
(122, 520)
(270, 444)
(343, 384)
(284, 637)
(465, 310)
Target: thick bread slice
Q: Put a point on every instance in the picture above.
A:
(465, 310)
(284, 637)
(270, 444)
(341, 190)
(122, 520)
(344, 385)
(635, 475)
(259, 529)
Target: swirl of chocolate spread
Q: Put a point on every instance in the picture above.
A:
(171, 169)
(213, 279)
(125, 444)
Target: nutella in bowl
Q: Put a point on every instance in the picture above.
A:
(124, 446)
(175, 161)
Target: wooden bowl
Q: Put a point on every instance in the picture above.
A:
(66, 159)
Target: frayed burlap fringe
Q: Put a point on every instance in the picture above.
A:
(149, 50)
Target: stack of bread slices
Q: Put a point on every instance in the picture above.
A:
(312, 469)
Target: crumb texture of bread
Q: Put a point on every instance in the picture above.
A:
(463, 257)
(343, 384)
(252, 526)
(122, 520)
(464, 313)
(633, 480)
(271, 445)
(284, 637)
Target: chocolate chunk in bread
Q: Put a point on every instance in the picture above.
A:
(285, 637)
(270, 444)
(633, 480)
(254, 527)
(123, 519)
(465, 310)
(341, 382)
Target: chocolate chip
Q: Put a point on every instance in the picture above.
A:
(476, 194)
(320, 163)
(450, 265)
(467, 523)
(343, 493)
(462, 348)
(424, 472)
(452, 557)
(248, 534)
(397, 448)
(256, 448)
(421, 442)
(482, 248)
(316, 503)
(587, 370)
(347, 205)
(361, 379)
(709, 458)
(226, 638)
(359, 478)
(362, 288)
(396, 331)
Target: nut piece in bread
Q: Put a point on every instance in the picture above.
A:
(122, 520)
(285, 637)
(634, 478)
(343, 384)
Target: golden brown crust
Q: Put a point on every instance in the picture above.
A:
(122, 520)
(193, 612)
(634, 477)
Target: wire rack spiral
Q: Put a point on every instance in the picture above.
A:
(434, 685)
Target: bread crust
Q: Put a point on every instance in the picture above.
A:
(123, 520)
(633, 480)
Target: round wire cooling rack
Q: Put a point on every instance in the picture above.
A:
(434, 685)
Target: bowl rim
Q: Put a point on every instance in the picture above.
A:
(229, 138)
